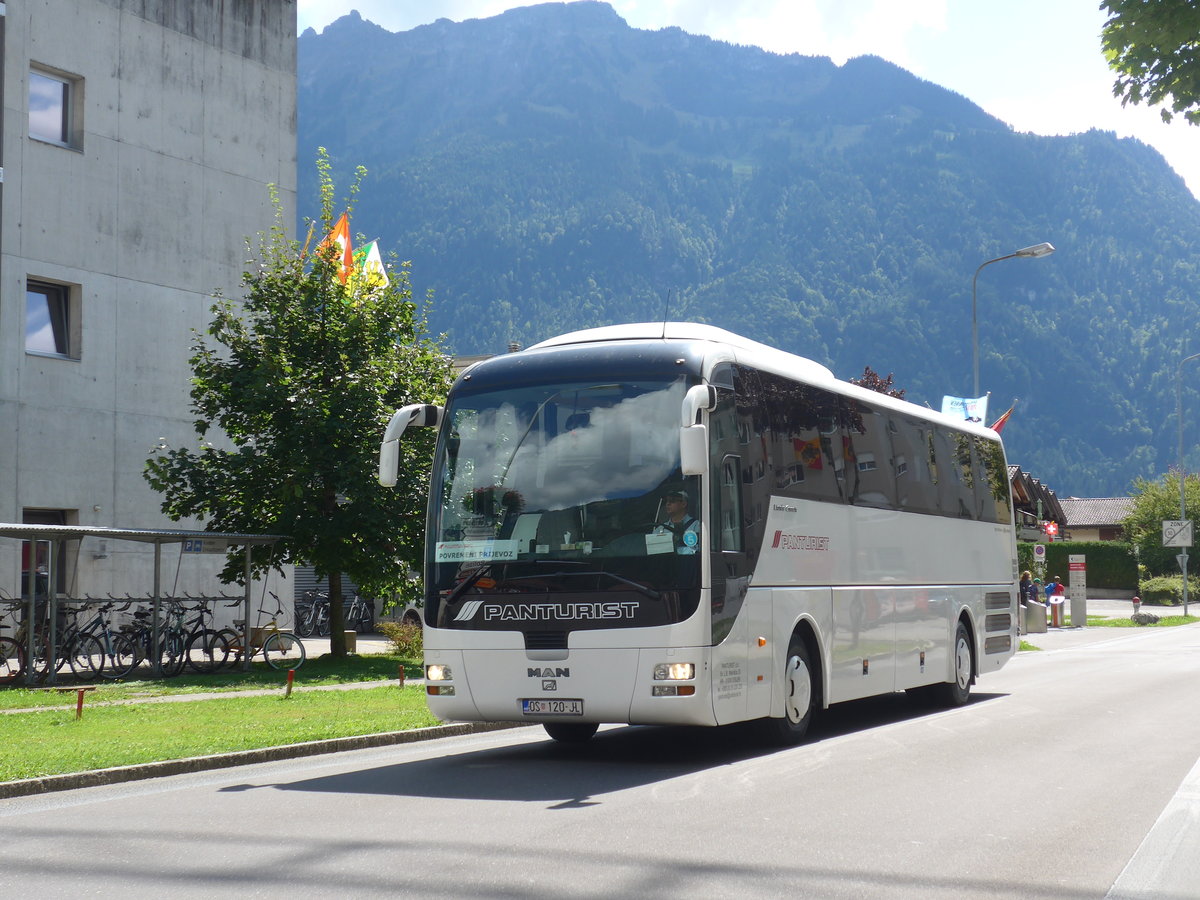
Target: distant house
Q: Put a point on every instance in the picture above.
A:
(1096, 519)
(1034, 504)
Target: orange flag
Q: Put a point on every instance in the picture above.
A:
(341, 237)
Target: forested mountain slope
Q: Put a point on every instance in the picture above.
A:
(551, 168)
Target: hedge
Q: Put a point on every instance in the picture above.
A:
(1167, 590)
(1111, 565)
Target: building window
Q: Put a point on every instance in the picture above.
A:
(51, 325)
(53, 106)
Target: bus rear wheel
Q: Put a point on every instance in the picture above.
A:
(799, 693)
(570, 732)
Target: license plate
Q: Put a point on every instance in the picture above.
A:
(540, 707)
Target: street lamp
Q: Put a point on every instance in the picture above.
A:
(1037, 251)
(1182, 479)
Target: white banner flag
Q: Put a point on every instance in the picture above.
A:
(971, 409)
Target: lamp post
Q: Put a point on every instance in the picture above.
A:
(1182, 478)
(1037, 251)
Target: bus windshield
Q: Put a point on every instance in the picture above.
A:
(565, 489)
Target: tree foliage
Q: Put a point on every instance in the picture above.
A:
(872, 381)
(1154, 47)
(292, 389)
(1156, 501)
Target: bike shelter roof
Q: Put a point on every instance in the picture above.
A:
(144, 535)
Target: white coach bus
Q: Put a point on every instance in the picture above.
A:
(672, 524)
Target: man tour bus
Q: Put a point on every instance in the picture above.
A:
(672, 524)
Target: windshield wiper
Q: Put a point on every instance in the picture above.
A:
(467, 583)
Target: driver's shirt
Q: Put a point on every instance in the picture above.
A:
(686, 533)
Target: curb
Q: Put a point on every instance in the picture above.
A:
(99, 777)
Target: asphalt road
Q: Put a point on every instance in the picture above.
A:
(1072, 774)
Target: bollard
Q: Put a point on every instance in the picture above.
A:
(401, 674)
(291, 680)
(1137, 605)
(79, 702)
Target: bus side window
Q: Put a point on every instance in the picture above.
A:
(992, 481)
(729, 505)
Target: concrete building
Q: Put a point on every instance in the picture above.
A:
(138, 141)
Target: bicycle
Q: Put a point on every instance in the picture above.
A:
(81, 651)
(12, 656)
(71, 648)
(170, 638)
(280, 649)
(310, 608)
(360, 615)
(205, 648)
(312, 614)
(118, 654)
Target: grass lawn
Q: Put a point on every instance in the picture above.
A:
(1163, 622)
(322, 670)
(49, 740)
(52, 741)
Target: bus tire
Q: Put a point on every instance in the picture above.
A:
(958, 691)
(570, 732)
(799, 698)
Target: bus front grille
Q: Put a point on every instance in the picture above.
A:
(545, 640)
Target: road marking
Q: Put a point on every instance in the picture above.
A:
(1165, 863)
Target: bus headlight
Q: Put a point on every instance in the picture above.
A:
(674, 671)
(437, 672)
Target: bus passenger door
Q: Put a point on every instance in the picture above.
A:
(731, 676)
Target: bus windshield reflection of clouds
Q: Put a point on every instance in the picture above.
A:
(563, 472)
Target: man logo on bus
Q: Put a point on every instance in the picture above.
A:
(548, 672)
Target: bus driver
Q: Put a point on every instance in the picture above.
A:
(683, 527)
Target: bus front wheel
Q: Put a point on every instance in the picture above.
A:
(958, 691)
(570, 732)
(798, 698)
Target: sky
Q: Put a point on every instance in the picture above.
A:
(1035, 64)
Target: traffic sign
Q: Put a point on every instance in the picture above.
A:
(1039, 552)
(1177, 532)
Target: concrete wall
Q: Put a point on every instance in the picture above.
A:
(187, 114)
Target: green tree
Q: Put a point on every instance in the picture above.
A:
(1154, 502)
(298, 381)
(1154, 47)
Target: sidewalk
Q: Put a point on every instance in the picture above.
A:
(1061, 638)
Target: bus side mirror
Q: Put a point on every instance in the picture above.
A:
(693, 437)
(693, 449)
(698, 397)
(417, 414)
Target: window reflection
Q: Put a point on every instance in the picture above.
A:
(48, 108)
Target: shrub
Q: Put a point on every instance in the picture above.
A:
(1167, 590)
(407, 640)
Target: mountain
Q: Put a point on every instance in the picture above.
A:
(552, 168)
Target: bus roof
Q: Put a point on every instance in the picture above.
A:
(753, 353)
(763, 355)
